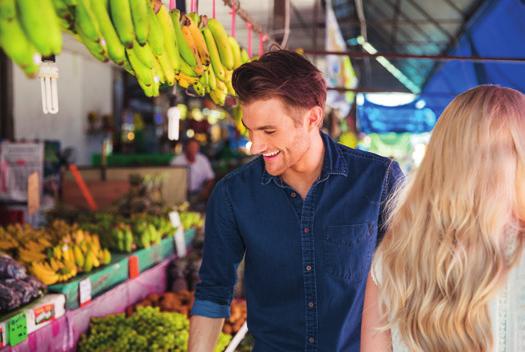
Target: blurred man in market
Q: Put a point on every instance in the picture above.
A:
(201, 174)
(306, 215)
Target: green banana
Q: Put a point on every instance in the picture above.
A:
(86, 22)
(170, 43)
(116, 50)
(214, 54)
(244, 56)
(223, 45)
(144, 54)
(228, 83)
(156, 37)
(236, 52)
(212, 80)
(14, 41)
(7, 10)
(121, 17)
(186, 69)
(95, 48)
(157, 71)
(41, 25)
(167, 69)
(185, 50)
(65, 15)
(144, 74)
(141, 20)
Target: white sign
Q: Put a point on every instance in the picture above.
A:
(84, 291)
(180, 243)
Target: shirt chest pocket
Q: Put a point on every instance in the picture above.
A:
(347, 250)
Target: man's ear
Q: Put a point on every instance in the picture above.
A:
(315, 117)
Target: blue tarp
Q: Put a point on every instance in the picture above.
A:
(373, 118)
(497, 30)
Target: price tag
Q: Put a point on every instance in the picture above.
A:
(84, 291)
(180, 243)
(33, 193)
(17, 329)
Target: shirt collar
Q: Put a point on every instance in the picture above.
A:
(334, 163)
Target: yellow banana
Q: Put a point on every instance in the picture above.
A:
(199, 88)
(141, 20)
(43, 273)
(156, 37)
(170, 44)
(244, 56)
(221, 40)
(214, 54)
(236, 52)
(79, 257)
(41, 25)
(186, 52)
(186, 32)
(185, 81)
(198, 38)
(144, 54)
(121, 16)
(115, 48)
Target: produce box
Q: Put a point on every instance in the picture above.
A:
(147, 257)
(17, 325)
(44, 310)
(99, 281)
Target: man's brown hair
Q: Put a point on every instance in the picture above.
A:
(281, 74)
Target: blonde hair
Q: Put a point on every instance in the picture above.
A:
(444, 254)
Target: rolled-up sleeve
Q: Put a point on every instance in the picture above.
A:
(223, 251)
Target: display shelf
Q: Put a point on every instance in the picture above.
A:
(101, 280)
(62, 334)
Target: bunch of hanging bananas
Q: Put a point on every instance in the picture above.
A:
(55, 254)
(28, 31)
(156, 45)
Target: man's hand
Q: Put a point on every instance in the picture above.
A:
(204, 333)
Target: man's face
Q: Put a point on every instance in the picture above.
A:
(275, 135)
(192, 149)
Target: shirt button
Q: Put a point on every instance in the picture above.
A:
(311, 339)
(293, 194)
(306, 230)
(310, 304)
(308, 268)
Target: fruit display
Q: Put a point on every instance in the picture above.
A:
(127, 234)
(29, 30)
(147, 329)
(17, 288)
(182, 301)
(191, 219)
(56, 253)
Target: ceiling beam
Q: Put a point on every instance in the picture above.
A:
(359, 54)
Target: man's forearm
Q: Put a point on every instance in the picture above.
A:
(204, 333)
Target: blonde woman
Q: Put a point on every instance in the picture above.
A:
(449, 275)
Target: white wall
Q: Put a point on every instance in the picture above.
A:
(84, 85)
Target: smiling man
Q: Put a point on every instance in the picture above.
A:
(306, 215)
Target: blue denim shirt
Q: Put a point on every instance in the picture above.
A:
(306, 261)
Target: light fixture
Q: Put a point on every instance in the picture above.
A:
(173, 123)
(401, 77)
(48, 85)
